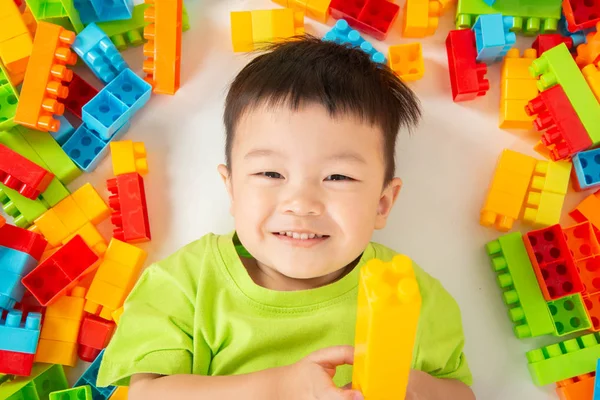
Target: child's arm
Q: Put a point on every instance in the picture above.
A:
(423, 386)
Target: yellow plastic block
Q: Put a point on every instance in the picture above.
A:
(543, 208)
(241, 31)
(51, 227)
(69, 307)
(517, 89)
(116, 315)
(29, 20)
(70, 214)
(406, 60)
(16, 42)
(56, 352)
(389, 304)
(547, 192)
(507, 191)
(317, 10)
(262, 26)
(65, 330)
(551, 177)
(592, 76)
(120, 394)
(128, 156)
(90, 202)
(421, 18)
(91, 237)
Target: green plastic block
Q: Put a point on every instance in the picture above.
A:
(45, 379)
(9, 99)
(530, 16)
(46, 9)
(569, 315)
(24, 211)
(564, 360)
(527, 308)
(556, 66)
(73, 14)
(78, 393)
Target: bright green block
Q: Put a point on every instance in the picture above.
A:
(9, 99)
(78, 393)
(49, 150)
(73, 14)
(564, 360)
(46, 9)
(24, 211)
(569, 315)
(530, 16)
(527, 308)
(45, 379)
(556, 66)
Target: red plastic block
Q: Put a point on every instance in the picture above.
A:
(547, 41)
(61, 271)
(592, 305)
(22, 175)
(373, 17)
(581, 14)
(565, 134)
(15, 363)
(467, 76)
(80, 92)
(130, 213)
(94, 335)
(23, 240)
(553, 263)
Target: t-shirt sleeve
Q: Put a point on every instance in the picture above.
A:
(155, 332)
(440, 337)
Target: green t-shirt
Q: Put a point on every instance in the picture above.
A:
(199, 312)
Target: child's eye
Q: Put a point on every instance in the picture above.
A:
(338, 177)
(272, 175)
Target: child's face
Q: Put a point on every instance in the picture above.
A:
(302, 173)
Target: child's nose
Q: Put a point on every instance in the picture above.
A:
(303, 202)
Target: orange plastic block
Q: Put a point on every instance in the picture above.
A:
(16, 41)
(447, 5)
(547, 193)
(507, 191)
(406, 60)
(252, 29)
(58, 337)
(589, 52)
(517, 89)
(389, 305)
(592, 76)
(588, 210)
(578, 388)
(121, 393)
(163, 49)
(421, 18)
(592, 306)
(2, 221)
(128, 156)
(29, 20)
(315, 9)
(46, 70)
(114, 279)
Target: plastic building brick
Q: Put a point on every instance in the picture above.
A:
(373, 17)
(23, 211)
(492, 38)
(15, 363)
(577, 388)
(589, 52)
(91, 237)
(565, 134)
(588, 210)
(44, 380)
(581, 14)
(64, 132)
(389, 305)
(22, 240)
(86, 11)
(342, 33)
(121, 393)
(20, 336)
(112, 10)
(241, 31)
(2, 221)
(587, 169)
(94, 336)
(547, 192)
(15, 41)
(592, 76)
(530, 18)
(57, 274)
(14, 264)
(42, 89)
(582, 241)
(128, 157)
(77, 393)
(22, 175)
(315, 9)
(72, 14)
(589, 271)
(569, 315)
(553, 263)
(467, 76)
(163, 50)
(29, 20)
(547, 41)
(507, 191)
(421, 18)
(116, 315)
(556, 66)
(527, 308)
(89, 378)
(116, 104)
(406, 60)
(51, 11)
(447, 4)
(592, 305)
(9, 97)
(564, 360)
(518, 88)
(130, 212)
(90, 202)
(80, 92)
(114, 279)
(86, 148)
(99, 53)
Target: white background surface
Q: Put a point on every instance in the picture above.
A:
(446, 166)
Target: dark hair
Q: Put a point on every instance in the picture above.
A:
(341, 78)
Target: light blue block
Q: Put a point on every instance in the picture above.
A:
(587, 168)
(6, 302)
(17, 336)
(15, 261)
(99, 53)
(87, 14)
(11, 286)
(86, 149)
(89, 378)
(112, 10)
(578, 37)
(492, 37)
(489, 2)
(342, 33)
(114, 105)
(597, 382)
(64, 132)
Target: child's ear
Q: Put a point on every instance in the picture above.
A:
(226, 176)
(386, 202)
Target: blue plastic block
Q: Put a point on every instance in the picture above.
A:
(86, 149)
(587, 168)
(89, 378)
(11, 286)
(578, 37)
(17, 336)
(15, 261)
(87, 14)
(99, 53)
(489, 2)
(492, 37)
(597, 382)
(342, 33)
(64, 132)
(114, 105)
(6, 302)
(112, 10)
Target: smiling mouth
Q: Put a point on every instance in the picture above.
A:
(300, 236)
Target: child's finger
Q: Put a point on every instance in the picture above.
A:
(330, 357)
(349, 395)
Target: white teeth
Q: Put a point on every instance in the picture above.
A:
(290, 234)
(296, 235)
(301, 236)
(311, 235)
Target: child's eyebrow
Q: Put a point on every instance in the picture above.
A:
(260, 153)
(348, 156)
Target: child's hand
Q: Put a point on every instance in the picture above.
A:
(312, 377)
